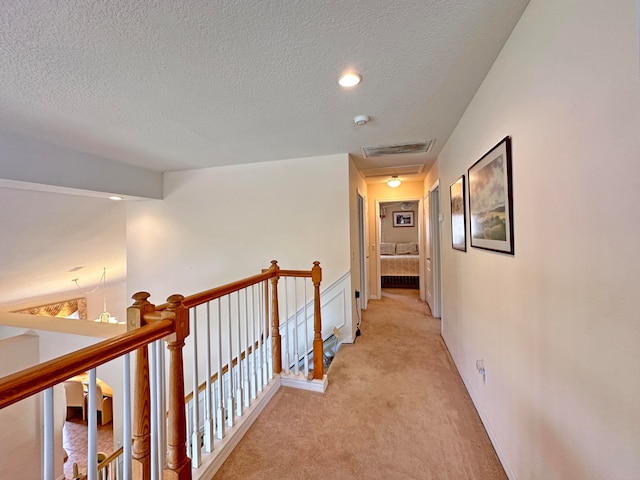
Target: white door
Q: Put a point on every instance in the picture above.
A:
(364, 257)
(428, 274)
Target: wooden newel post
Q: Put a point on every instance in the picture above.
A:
(141, 428)
(318, 344)
(178, 465)
(276, 341)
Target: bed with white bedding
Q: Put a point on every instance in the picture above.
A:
(399, 265)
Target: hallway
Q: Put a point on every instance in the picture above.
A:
(395, 408)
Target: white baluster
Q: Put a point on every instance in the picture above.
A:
(239, 392)
(261, 338)
(153, 413)
(126, 417)
(254, 344)
(306, 331)
(162, 405)
(285, 336)
(247, 396)
(230, 399)
(92, 429)
(196, 451)
(208, 408)
(48, 467)
(220, 397)
(267, 339)
(296, 343)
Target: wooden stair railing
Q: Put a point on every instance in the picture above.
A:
(147, 323)
(185, 308)
(41, 377)
(273, 273)
(25, 383)
(315, 274)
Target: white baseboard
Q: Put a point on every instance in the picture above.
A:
(299, 381)
(492, 437)
(483, 419)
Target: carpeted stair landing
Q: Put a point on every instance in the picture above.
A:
(395, 408)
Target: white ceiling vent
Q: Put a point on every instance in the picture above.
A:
(397, 149)
(393, 170)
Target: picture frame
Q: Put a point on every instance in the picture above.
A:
(74, 308)
(403, 219)
(491, 200)
(458, 215)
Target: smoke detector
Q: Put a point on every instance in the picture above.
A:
(360, 120)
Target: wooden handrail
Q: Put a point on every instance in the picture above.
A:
(221, 291)
(32, 380)
(295, 273)
(103, 464)
(170, 321)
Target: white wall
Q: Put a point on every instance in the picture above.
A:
(222, 224)
(557, 323)
(391, 234)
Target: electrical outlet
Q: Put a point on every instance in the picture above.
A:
(357, 294)
(481, 370)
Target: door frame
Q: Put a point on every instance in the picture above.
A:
(363, 243)
(424, 265)
(435, 242)
(418, 217)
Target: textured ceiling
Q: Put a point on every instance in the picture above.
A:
(171, 85)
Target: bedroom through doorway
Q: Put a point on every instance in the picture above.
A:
(399, 244)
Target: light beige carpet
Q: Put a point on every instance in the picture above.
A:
(395, 408)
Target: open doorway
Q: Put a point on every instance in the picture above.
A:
(399, 244)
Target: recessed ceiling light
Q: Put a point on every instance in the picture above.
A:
(361, 120)
(115, 197)
(349, 79)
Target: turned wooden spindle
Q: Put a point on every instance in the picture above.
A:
(276, 341)
(318, 344)
(178, 465)
(141, 428)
